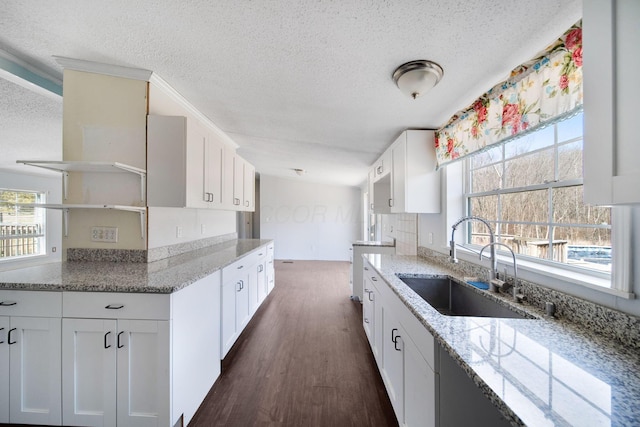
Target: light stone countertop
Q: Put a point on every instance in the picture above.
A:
(385, 244)
(164, 276)
(537, 372)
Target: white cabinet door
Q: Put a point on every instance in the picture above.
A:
(35, 370)
(228, 318)
(243, 311)
(415, 182)
(143, 359)
(213, 172)
(262, 285)
(89, 372)
(249, 187)
(368, 312)
(228, 178)
(238, 181)
(398, 172)
(419, 388)
(611, 36)
(4, 369)
(393, 361)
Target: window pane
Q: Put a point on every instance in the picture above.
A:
(570, 161)
(487, 157)
(570, 128)
(530, 142)
(485, 207)
(527, 206)
(21, 227)
(527, 239)
(568, 207)
(529, 170)
(486, 179)
(586, 247)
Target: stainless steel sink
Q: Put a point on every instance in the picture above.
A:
(453, 299)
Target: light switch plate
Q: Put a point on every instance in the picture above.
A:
(104, 234)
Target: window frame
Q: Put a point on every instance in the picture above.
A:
(600, 280)
(41, 236)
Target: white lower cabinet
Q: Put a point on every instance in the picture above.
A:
(116, 372)
(392, 368)
(405, 352)
(30, 374)
(245, 285)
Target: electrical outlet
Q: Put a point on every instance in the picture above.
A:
(203, 228)
(104, 234)
(178, 232)
(431, 238)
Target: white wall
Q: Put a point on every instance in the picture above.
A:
(53, 187)
(309, 221)
(195, 224)
(434, 232)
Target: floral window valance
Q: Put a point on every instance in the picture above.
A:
(536, 94)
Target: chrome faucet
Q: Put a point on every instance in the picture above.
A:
(516, 297)
(492, 241)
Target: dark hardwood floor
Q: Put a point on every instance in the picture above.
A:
(303, 360)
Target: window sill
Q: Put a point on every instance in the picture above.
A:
(549, 271)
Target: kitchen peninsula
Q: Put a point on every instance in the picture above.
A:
(124, 343)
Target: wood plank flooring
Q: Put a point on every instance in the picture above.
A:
(303, 360)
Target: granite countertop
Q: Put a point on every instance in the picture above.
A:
(389, 244)
(538, 372)
(164, 276)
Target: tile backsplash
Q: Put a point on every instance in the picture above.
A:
(403, 228)
(602, 320)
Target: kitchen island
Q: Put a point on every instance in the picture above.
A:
(535, 371)
(107, 343)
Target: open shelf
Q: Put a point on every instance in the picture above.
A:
(141, 210)
(87, 166)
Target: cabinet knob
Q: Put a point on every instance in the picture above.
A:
(366, 320)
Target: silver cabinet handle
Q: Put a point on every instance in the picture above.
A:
(246, 203)
(370, 296)
(390, 203)
(374, 279)
(236, 201)
(366, 320)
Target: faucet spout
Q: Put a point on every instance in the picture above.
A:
(492, 241)
(492, 245)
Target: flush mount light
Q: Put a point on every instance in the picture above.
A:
(416, 78)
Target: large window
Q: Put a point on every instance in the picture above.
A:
(21, 228)
(530, 189)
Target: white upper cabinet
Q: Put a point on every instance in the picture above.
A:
(411, 183)
(415, 182)
(382, 166)
(611, 36)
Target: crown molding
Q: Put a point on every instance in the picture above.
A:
(161, 84)
(102, 68)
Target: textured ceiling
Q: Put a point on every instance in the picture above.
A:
(297, 84)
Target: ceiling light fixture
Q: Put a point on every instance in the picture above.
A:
(416, 78)
(300, 171)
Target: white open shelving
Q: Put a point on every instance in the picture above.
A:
(94, 167)
(87, 166)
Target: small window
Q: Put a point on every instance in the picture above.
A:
(530, 190)
(22, 228)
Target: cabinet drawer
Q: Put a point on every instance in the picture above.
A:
(108, 305)
(30, 303)
(239, 266)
